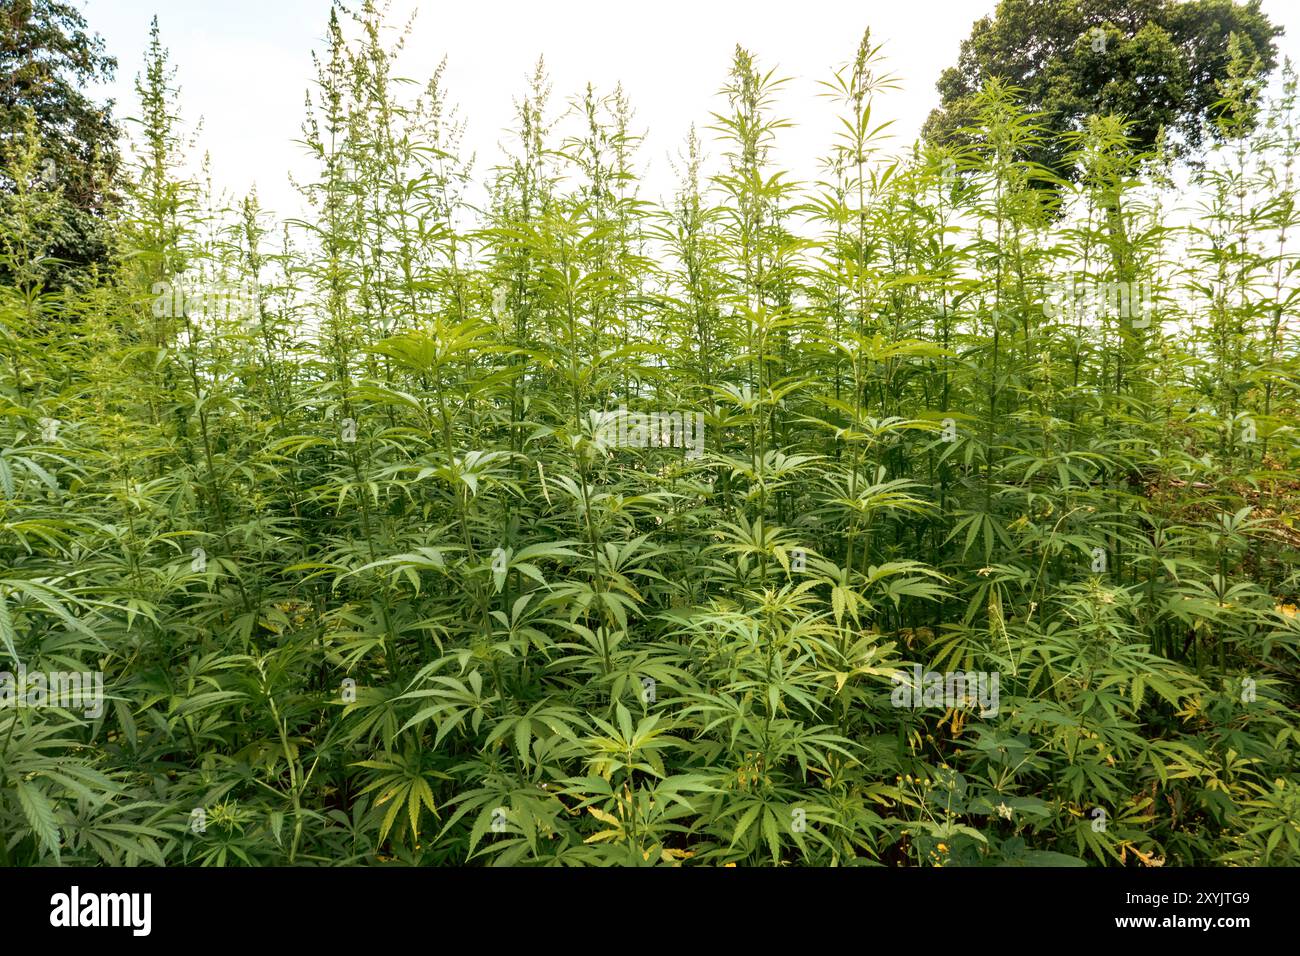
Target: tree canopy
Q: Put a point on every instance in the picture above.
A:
(1162, 64)
(47, 60)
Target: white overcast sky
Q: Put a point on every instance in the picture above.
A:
(245, 65)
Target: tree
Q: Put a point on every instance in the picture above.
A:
(47, 58)
(1161, 64)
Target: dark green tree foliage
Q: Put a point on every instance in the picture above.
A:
(47, 58)
(1158, 63)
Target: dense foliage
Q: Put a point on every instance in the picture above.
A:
(345, 511)
(47, 57)
(1160, 63)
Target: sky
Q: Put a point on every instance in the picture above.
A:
(244, 66)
